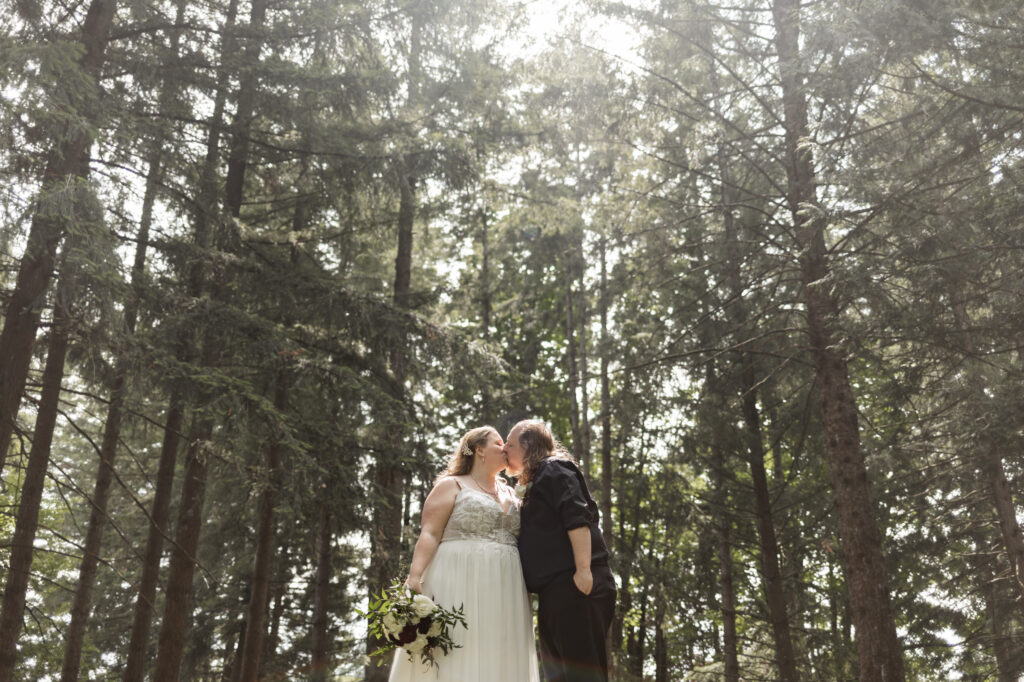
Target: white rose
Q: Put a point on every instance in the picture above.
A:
(391, 623)
(422, 605)
(435, 628)
(417, 644)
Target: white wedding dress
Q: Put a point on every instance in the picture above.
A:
(477, 567)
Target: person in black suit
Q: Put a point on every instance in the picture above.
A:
(565, 560)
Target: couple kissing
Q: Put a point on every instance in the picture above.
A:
(484, 545)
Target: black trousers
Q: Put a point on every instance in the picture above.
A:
(573, 628)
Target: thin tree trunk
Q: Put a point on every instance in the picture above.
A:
(638, 638)
(175, 623)
(775, 593)
(238, 155)
(584, 418)
(485, 308)
(257, 610)
(878, 645)
(389, 473)
(991, 463)
(574, 377)
(69, 156)
(82, 603)
(233, 667)
(177, 601)
(12, 610)
(606, 409)
(660, 645)
(251, 643)
(774, 587)
(386, 542)
(1006, 512)
(725, 578)
(196, 284)
(112, 430)
(138, 646)
(321, 598)
(273, 638)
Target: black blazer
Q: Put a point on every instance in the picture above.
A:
(557, 501)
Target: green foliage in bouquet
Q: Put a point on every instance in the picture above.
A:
(413, 622)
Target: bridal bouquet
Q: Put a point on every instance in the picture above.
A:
(413, 622)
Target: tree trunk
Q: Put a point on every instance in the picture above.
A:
(69, 156)
(1002, 499)
(12, 610)
(584, 418)
(725, 579)
(112, 430)
(196, 284)
(258, 601)
(774, 587)
(321, 598)
(138, 646)
(775, 593)
(273, 638)
(638, 639)
(878, 645)
(574, 377)
(239, 152)
(606, 410)
(660, 645)
(389, 472)
(386, 542)
(233, 667)
(178, 597)
(485, 310)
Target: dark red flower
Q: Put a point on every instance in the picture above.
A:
(407, 634)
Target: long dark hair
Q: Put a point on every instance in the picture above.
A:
(538, 444)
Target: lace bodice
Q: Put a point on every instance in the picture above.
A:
(478, 516)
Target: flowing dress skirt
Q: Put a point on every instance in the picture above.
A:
(497, 644)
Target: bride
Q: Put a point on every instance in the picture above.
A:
(466, 556)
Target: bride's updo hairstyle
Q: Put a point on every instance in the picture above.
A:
(460, 462)
(538, 445)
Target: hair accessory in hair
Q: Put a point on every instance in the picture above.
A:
(466, 450)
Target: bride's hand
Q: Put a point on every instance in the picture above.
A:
(414, 584)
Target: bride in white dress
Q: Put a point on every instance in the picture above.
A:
(466, 556)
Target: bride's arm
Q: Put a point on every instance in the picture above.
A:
(437, 508)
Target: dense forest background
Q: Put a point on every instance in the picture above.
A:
(758, 263)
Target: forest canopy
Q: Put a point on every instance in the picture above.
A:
(758, 264)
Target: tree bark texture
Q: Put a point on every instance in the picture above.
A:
(82, 605)
(606, 410)
(486, 408)
(386, 541)
(743, 368)
(584, 418)
(258, 601)
(178, 596)
(878, 646)
(725, 577)
(321, 598)
(145, 602)
(574, 377)
(175, 623)
(239, 151)
(68, 157)
(774, 588)
(1006, 512)
(660, 644)
(12, 610)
